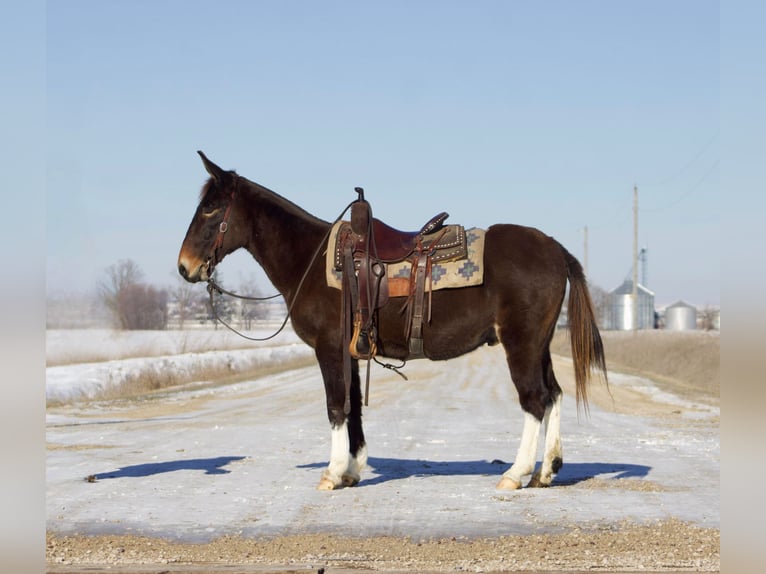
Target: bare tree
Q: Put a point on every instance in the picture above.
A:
(119, 277)
(222, 306)
(183, 297)
(143, 307)
(600, 300)
(601, 303)
(707, 317)
(251, 310)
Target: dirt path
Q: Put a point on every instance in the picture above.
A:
(664, 547)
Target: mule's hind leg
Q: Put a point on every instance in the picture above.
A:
(528, 371)
(552, 458)
(525, 456)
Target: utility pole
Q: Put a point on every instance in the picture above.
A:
(635, 258)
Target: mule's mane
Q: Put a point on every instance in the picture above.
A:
(205, 189)
(285, 204)
(209, 185)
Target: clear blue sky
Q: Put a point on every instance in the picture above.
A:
(541, 114)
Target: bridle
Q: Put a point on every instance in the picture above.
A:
(223, 227)
(213, 287)
(213, 260)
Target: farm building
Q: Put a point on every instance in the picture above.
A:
(620, 314)
(681, 316)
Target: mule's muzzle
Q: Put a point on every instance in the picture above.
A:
(194, 273)
(183, 272)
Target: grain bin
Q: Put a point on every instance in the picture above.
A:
(621, 308)
(681, 316)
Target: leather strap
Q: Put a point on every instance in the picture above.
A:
(223, 226)
(418, 303)
(350, 301)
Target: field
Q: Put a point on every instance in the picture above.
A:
(204, 451)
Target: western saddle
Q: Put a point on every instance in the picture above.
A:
(363, 247)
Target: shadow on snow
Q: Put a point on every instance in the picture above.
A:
(388, 469)
(209, 465)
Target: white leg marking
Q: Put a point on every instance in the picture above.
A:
(339, 458)
(525, 457)
(361, 457)
(355, 467)
(552, 421)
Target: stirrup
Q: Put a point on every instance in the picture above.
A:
(362, 345)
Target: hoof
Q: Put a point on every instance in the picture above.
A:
(326, 484)
(349, 480)
(508, 484)
(557, 464)
(535, 482)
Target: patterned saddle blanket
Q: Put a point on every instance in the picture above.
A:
(467, 271)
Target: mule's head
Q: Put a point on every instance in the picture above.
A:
(212, 233)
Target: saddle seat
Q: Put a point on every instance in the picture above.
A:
(392, 245)
(373, 240)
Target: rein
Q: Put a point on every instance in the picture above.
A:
(213, 287)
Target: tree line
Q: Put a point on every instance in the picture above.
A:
(135, 304)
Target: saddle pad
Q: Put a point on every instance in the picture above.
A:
(465, 272)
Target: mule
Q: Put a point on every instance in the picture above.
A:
(518, 304)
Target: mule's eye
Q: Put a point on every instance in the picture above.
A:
(210, 211)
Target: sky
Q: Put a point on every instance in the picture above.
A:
(539, 114)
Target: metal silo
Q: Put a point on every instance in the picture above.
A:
(681, 316)
(621, 308)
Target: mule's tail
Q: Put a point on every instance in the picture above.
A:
(587, 347)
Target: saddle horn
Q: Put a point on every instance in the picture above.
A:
(361, 214)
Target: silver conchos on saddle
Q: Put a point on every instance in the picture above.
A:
(442, 242)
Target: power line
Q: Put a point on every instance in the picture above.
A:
(685, 194)
(686, 166)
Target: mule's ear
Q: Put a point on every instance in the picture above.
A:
(214, 171)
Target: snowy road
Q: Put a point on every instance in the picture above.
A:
(245, 459)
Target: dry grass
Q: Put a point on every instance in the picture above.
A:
(153, 381)
(75, 346)
(685, 363)
(155, 378)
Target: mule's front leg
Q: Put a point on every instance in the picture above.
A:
(348, 453)
(340, 459)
